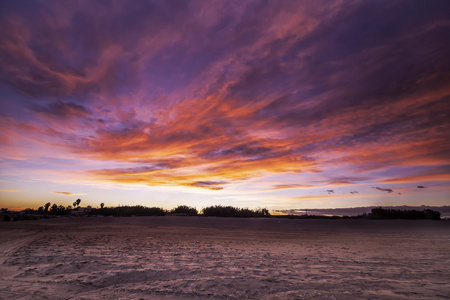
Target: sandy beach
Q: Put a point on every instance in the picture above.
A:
(224, 258)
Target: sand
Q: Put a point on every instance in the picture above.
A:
(218, 258)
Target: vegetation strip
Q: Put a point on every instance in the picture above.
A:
(54, 210)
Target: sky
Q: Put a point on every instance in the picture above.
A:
(276, 104)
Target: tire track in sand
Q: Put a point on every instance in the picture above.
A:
(13, 242)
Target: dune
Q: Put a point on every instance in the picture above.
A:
(224, 258)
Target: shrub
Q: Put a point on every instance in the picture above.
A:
(127, 211)
(382, 213)
(230, 211)
(184, 210)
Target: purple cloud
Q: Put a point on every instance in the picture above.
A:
(384, 190)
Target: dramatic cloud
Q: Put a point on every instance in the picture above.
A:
(276, 97)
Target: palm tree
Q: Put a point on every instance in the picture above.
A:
(76, 203)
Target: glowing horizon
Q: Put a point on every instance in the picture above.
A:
(279, 104)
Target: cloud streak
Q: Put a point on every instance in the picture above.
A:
(384, 190)
(67, 193)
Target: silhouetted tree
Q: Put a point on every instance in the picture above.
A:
(432, 214)
(46, 206)
(101, 205)
(382, 213)
(185, 210)
(76, 203)
(265, 212)
(230, 211)
(54, 208)
(61, 210)
(129, 211)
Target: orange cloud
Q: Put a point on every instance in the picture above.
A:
(68, 193)
(65, 193)
(291, 186)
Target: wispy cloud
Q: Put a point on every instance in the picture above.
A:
(290, 186)
(67, 193)
(212, 185)
(384, 190)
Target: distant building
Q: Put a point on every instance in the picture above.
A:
(81, 211)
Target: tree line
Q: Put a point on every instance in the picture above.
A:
(48, 210)
(182, 210)
(379, 213)
(53, 209)
(383, 213)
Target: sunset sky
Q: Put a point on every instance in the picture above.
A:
(277, 104)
